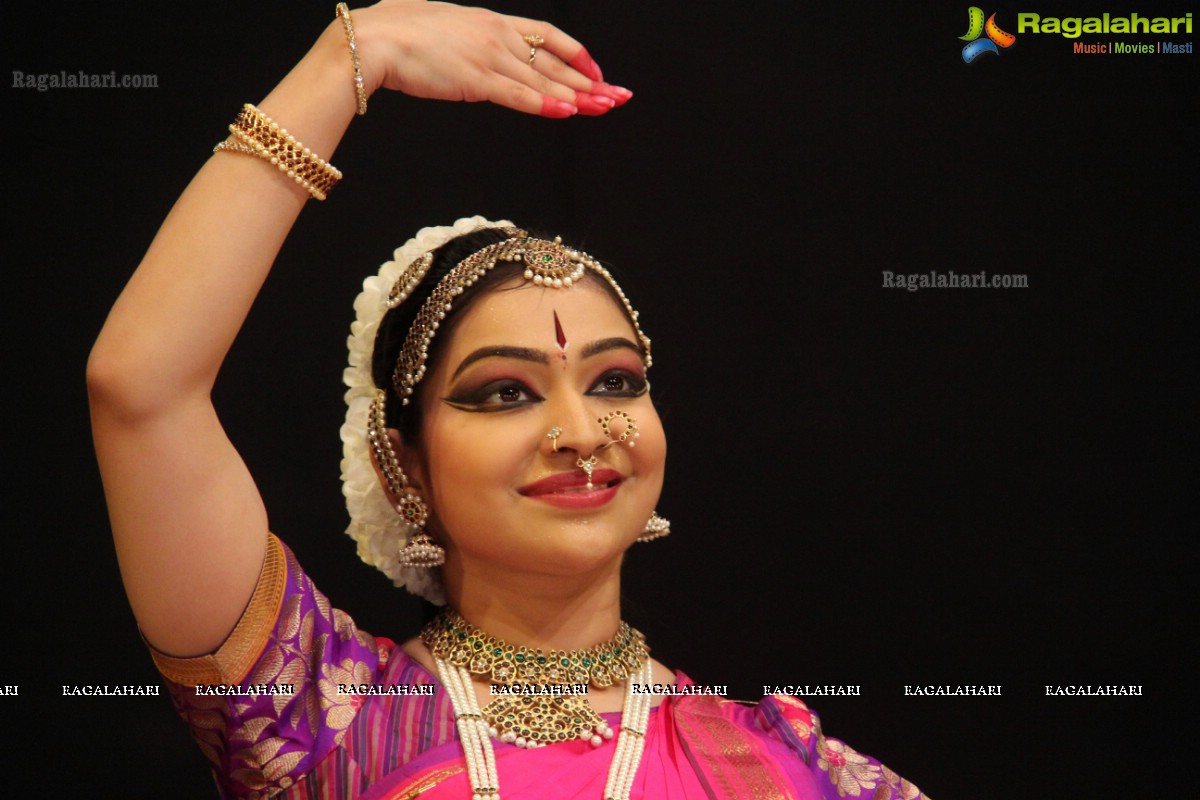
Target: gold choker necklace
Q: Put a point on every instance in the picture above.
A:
(548, 701)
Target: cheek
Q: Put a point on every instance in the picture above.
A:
(470, 457)
(650, 452)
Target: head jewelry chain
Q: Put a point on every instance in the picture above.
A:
(547, 263)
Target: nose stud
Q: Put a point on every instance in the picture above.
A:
(553, 435)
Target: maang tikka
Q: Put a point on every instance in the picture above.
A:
(419, 550)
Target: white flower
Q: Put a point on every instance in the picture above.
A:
(374, 524)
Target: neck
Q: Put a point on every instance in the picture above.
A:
(536, 611)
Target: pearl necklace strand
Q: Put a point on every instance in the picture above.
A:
(481, 756)
(635, 713)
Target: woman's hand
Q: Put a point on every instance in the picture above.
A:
(447, 52)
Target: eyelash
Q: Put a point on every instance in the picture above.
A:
(481, 399)
(485, 397)
(636, 383)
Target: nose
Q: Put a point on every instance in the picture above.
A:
(572, 426)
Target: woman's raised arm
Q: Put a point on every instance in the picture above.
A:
(189, 524)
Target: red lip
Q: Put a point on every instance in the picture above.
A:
(568, 489)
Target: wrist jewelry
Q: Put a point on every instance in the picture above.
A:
(235, 147)
(343, 11)
(259, 135)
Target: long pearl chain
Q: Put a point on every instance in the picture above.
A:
(472, 730)
(635, 713)
(481, 757)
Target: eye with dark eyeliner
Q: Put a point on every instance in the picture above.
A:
(619, 383)
(498, 395)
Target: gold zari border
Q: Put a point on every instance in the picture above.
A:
(237, 654)
(423, 782)
(734, 759)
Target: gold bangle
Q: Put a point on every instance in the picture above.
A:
(360, 92)
(235, 147)
(259, 135)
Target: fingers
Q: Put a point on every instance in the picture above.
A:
(585, 64)
(554, 108)
(593, 105)
(565, 64)
(560, 44)
(445, 52)
(553, 84)
(553, 69)
(519, 96)
(552, 76)
(519, 87)
(619, 94)
(592, 97)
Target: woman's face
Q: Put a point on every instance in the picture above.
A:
(499, 496)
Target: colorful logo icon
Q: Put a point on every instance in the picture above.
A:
(976, 27)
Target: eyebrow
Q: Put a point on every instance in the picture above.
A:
(614, 343)
(519, 353)
(539, 356)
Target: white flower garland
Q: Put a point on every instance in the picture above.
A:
(374, 523)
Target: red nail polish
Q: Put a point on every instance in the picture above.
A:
(557, 109)
(619, 94)
(593, 104)
(587, 65)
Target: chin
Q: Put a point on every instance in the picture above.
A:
(577, 547)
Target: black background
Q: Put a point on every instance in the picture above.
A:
(867, 486)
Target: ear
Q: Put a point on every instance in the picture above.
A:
(409, 462)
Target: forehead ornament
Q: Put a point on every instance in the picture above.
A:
(408, 280)
(549, 264)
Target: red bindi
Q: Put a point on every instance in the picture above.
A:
(561, 338)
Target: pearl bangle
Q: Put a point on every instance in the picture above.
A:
(259, 135)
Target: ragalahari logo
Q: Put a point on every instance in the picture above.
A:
(976, 27)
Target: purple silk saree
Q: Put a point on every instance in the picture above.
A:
(298, 703)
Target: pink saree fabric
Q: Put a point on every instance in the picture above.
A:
(317, 742)
(695, 748)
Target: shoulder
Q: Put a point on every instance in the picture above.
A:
(280, 694)
(840, 770)
(784, 732)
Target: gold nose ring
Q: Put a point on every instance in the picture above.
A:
(628, 435)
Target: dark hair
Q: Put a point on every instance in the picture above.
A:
(393, 328)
